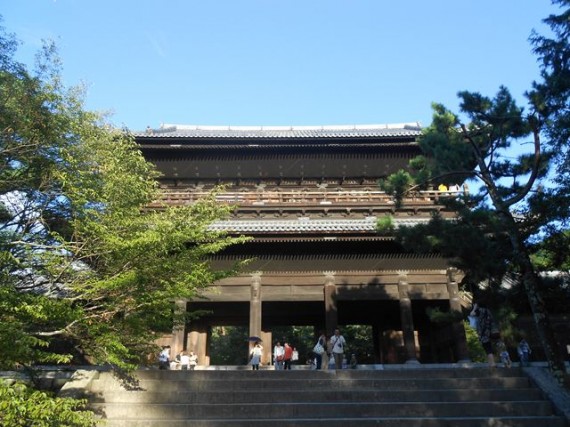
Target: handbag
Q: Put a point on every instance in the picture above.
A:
(318, 348)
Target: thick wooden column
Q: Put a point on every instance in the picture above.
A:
(267, 343)
(458, 329)
(377, 343)
(255, 307)
(407, 318)
(331, 313)
(178, 331)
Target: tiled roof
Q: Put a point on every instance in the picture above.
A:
(295, 132)
(305, 225)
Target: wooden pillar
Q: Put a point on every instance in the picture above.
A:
(331, 313)
(255, 307)
(178, 331)
(267, 343)
(407, 318)
(376, 343)
(458, 329)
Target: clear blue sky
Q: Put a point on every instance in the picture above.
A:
(288, 62)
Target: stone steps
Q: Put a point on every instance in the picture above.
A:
(324, 410)
(308, 396)
(506, 421)
(396, 397)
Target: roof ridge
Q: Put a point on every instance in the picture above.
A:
(174, 127)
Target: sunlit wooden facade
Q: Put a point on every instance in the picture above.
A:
(310, 199)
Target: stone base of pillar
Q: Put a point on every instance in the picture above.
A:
(412, 362)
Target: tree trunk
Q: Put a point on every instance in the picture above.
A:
(531, 283)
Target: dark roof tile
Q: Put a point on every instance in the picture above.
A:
(276, 132)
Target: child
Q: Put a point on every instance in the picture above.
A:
(524, 351)
(504, 354)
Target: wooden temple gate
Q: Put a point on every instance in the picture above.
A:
(310, 200)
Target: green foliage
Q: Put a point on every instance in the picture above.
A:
(229, 345)
(474, 347)
(505, 318)
(553, 253)
(474, 243)
(445, 157)
(23, 406)
(550, 95)
(359, 342)
(519, 202)
(397, 185)
(83, 262)
(385, 225)
(437, 316)
(81, 257)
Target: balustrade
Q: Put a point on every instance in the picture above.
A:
(296, 198)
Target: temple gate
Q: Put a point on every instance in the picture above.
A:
(310, 199)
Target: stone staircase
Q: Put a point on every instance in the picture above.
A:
(398, 396)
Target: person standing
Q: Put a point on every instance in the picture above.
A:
(255, 354)
(278, 356)
(484, 328)
(524, 351)
(321, 347)
(287, 356)
(184, 361)
(164, 358)
(338, 344)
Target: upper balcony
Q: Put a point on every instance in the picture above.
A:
(313, 200)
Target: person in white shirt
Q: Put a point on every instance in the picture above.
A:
(278, 356)
(184, 361)
(164, 358)
(338, 345)
(255, 354)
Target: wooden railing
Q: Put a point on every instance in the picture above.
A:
(367, 198)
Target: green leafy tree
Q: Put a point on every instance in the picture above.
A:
(82, 261)
(494, 126)
(550, 94)
(23, 406)
(551, 97)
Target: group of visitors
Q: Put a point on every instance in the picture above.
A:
(183, 361)
(326, 349)
(284, 355)
(331, 351)
(453, 188)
